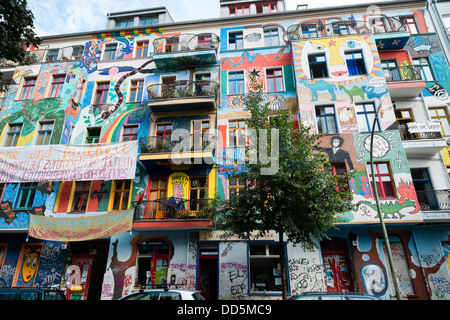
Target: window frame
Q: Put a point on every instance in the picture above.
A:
(132, 134)
(83, 202)
(193, 206)
(30, 188)
(235, 40)
(355, 66)
(273, 79)
(272, 7)
(101, 93)
(109, 54)
(267, 255)
(424, 66)
(271, 36)
(143, 21)
(326, 117)
(440, 118)
(237, 8)
(323, 65)
(142, 48)
(123, 192)
(15, 134)
(90, 135)
(58, 84)
(381, 189)
(366, 112)
(28, 87)
(235, 137)
(45, 131)
(136, 90)
(236, 82)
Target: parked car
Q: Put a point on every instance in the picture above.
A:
(333, 296)
(164, 294)
(31, 294)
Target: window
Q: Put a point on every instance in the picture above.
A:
(110, 51)
(235, 184)
(404, 116)
(204, 40)
(13, 134)
(130, 132)
(141, 49)
(121, 194)
(136, 90)
(410, 23)
(57, 85)
(441, 114)
(326, 119)
(271, 36)
(383, 179)
(274, 80)
(101, 93)
(44, 132)
(355, 63)
(379, 24)
(197, 192)
(164, 137)
(200, 139)
(236, 82)
(425, 68)
(235, 40)
(124, 23)
(424, 189)
(145, 21)
(52, 55)
(340, 28)
(80, 196)
(28, 88)
(158, 197)
(93, 135)
(26, 195)
(172, 44)
(267, 7)
(264, 268)
(241, 10)
(318, 66)
(309, 30)
(236, 133)
(365, 115)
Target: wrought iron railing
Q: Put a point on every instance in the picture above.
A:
(69, 53)
(174, 209)
(185, 143)
(434, 200)
(186, 42)
(403, 73)
(316, 29)
(407, 135)
(183, 89)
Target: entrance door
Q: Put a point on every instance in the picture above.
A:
(336, 264)
(207, 281)
(152, 264)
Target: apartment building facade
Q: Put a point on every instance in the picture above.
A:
(159, 104)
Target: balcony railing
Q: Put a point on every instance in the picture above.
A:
(403, 73)
(434, 200)
(186, 42)
(174, 209)
(420, 131)
(311, 30)
(185, 143)
(183, 89)
(69, 53)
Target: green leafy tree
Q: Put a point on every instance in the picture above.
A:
(16, 30)
(298, 197)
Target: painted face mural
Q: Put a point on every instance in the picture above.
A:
(338, 52)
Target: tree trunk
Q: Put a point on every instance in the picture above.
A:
(283, 263)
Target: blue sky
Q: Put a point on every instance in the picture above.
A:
(70, 16)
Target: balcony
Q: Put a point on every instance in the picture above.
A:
(69, 53)
(422, 139)
(185, 50)
(187, 148)
(404, 81)
(183, 96)
(435, 205)
(389, 32)
(174, 213)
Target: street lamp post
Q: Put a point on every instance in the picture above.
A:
(383, 227)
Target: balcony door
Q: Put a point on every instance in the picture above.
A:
(424, 189)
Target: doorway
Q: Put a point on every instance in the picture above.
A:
(207, 272)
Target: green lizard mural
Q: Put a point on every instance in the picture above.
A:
(390, 209)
